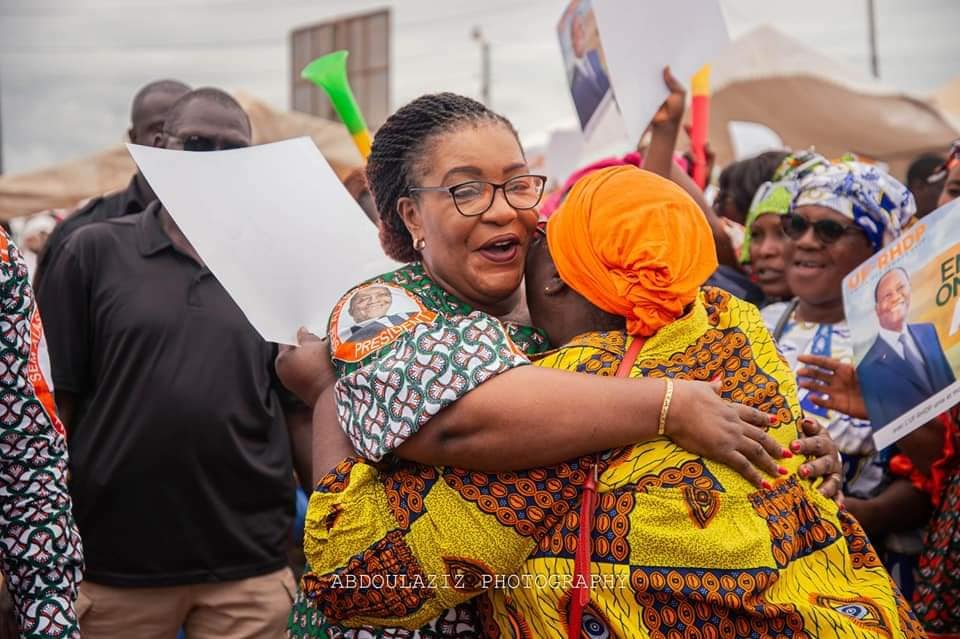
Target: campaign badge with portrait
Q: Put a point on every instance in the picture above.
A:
(372, 316)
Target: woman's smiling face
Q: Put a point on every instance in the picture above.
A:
(480, 258)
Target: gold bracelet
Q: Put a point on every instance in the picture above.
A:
(665, 408)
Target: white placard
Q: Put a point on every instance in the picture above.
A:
(563, 154)
(641, 37)
(274, 224)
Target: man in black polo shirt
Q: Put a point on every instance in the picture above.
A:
(147, 115)
(179, 447)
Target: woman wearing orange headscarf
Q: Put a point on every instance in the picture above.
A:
(642, 263)
(662, 541)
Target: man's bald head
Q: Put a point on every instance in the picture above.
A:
(208, 95)
(150, 107)
(204, 120)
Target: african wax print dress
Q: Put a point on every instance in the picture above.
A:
(404, 349)
(680, 546)
(42, 554)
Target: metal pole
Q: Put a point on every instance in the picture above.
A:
(485, 71)
(872, 26)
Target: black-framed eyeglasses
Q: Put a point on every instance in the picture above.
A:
(473, 198)
(203, 143)
(827, 231)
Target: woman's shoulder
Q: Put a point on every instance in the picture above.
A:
(404, 276)
(382, 313)
(378, 312)
(726, 309)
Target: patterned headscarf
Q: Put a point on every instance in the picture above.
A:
(877, 203)
(774, 197)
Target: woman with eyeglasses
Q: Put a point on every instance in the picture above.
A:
(443, 382)
(839, 218)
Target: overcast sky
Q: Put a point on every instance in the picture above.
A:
(69, 68)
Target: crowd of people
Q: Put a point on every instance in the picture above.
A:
(723, 482)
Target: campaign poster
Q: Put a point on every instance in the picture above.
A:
(902, 308)
(585, 63)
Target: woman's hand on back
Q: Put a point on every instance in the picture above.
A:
(823, 458)
(701, 422)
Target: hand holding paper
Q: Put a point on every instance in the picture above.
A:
(640, 37)
(899, 305)
(832, 384)
(671, 111)
(306, 369)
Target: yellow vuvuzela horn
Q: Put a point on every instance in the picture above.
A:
(329, 72)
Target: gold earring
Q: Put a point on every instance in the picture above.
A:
(418, 245)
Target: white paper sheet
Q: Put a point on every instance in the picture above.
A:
(563, 154)
(275, 226)
(640, 37)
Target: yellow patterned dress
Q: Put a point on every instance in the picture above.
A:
(681, 547)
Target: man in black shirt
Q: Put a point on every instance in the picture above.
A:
(179, 444)
(147, 115)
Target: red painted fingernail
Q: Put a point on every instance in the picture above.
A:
(786, 454)
(804, 471)
(773, 419)
(717, 378)
(795, 446)
(766, 485)
(783, 471)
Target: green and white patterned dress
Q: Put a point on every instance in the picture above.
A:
(404, 349)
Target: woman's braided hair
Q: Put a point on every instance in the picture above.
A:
(399, 147)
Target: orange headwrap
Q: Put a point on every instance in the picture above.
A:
(633, 244)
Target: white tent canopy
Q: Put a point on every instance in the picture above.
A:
(809, 100)
(67, 184)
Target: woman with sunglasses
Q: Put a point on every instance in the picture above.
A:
(838, 219)
(764, 243)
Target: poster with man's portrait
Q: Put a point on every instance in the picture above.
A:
(585, 63)
(372, 316)
(903, 312)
